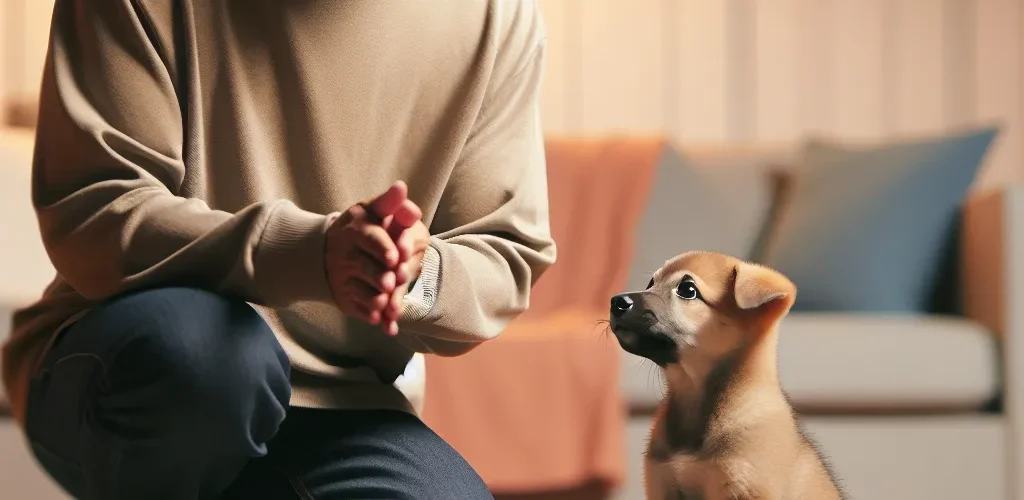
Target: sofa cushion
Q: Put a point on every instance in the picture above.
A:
(701, 200)
(836, 362)
(869, 228)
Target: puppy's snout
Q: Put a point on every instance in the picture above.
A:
(621, 304)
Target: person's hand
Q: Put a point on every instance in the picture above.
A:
(411, 237)
(362, 257)
(412, 242)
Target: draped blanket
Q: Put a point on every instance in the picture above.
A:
(539, 408)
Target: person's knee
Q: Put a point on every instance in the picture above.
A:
(207, 362)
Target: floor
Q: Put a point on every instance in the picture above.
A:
(19, 474)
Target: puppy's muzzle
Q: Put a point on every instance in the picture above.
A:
(634, 327)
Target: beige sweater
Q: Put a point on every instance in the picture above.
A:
(204, 144)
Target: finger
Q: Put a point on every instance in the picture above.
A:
(408, 245)
(390, 312)
(377, 243)
(404, 273)
(374, 275)
(388, 202)
(360, 298)
(371, 316)
(368, 297)
(401, 274)
(405, 217)
(364, 313)
(404, 245)
(386, 224)
(394, 306)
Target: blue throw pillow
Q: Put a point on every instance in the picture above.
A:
(868, 229)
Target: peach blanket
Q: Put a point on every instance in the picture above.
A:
(539, 409)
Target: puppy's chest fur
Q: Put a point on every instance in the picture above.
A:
(731, 447)
(691, 477)
(753, 459)
(679, 469)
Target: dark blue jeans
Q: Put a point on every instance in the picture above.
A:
(181, 394)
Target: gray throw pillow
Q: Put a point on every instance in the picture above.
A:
(869, 228)
(695, 204)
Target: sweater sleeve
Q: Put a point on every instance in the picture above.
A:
(109, 166)
(492, 239)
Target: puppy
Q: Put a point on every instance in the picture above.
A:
(726, 430)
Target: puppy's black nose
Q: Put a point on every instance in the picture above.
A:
(621, 304)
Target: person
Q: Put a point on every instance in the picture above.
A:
(241, 272)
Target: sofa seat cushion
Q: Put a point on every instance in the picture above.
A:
(837, 362)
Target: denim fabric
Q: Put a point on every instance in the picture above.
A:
(175, 394)
(331, 455)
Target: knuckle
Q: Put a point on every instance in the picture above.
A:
(375, 232)
(361, 227)
(375, 237)
(357, 211)
(341, 220)
(348, 230)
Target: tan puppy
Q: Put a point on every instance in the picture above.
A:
(726, 430)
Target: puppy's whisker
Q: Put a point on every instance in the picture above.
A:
(652, 377)
(604, 331)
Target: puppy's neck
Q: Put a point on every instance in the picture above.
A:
(707, 396)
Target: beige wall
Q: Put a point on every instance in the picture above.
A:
(742, 71)
(23, 38)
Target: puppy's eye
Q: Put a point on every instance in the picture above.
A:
(649, 285)
(687, 289)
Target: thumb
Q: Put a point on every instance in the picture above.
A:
(407, 214)
(388, 202)
(405, 217)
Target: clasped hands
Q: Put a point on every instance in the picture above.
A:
(374, 251)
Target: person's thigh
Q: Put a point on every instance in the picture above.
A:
(358, 454)
(161, 394)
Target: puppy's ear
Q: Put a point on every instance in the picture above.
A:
(758, 286)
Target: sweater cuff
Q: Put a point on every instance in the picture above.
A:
(421, 298)
(288, 264)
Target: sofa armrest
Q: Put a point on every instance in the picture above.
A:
(993, 280)
(993, 259)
